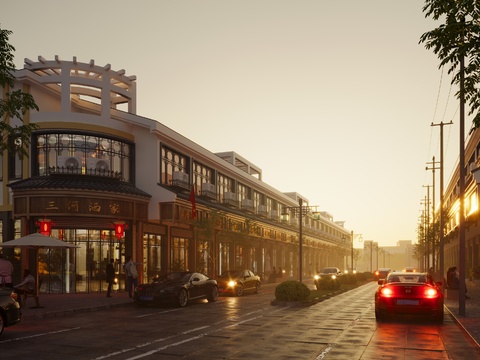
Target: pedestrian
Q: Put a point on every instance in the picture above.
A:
(280, 272)
(6, 271)
(27, 286)
(273, 275)
(110, 273)
(131, 276)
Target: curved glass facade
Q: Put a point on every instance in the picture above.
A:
(87, 154)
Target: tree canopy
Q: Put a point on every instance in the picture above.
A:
(13, 103)
(458, 37)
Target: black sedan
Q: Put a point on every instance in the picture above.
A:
(406, 293)
(9, 308)
(177, 288)
(237, 282)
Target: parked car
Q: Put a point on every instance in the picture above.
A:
(328, 272)
(407, 293)
(237, 282)
(177, 288)
(381, 273)
(9, 308)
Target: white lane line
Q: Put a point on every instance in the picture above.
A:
(156, 313)
(106, 356)
(151, 352)
(325, 352)
(38, 335)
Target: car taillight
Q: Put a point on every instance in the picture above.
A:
(377, 273)
(431, 293)
(386, 292)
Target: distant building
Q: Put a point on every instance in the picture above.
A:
(373, 256)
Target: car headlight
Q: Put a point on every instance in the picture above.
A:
(232, 283)
(316, 277)
(334, 277)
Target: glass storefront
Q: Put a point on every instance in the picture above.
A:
(83, 269)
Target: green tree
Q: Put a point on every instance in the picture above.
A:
(13, 103)
(457, 38)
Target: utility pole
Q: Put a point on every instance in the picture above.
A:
(433, 163)
(441, 255)
(427, 227)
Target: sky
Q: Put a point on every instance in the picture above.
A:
(331, 99)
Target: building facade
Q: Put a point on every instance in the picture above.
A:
(117, 184)
(452, 207)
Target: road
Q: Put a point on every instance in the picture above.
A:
(248, 327)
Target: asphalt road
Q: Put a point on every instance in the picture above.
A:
(249, 327)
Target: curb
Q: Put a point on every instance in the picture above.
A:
(459, 323)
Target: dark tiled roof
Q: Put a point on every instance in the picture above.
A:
(78, 182)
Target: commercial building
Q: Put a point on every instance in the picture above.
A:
(117, 184)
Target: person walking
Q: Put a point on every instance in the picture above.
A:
(6, 271)
(131, 276)
(110, 273)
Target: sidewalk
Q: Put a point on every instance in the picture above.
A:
(54, 305)
(471, 321)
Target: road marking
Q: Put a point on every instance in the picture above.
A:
(185, 340)
(37, 335)
(325, 352)
(158, 312)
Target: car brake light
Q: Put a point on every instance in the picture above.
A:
(386, 292)
(377, 273)
(431, 293)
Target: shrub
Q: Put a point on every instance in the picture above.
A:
(347, 279)
(363, 276)
(291, 290)
(328, 283)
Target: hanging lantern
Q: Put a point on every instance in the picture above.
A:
(119, 229)
(45, 226)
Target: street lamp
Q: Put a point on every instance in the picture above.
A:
(353, 238)
(300, 210)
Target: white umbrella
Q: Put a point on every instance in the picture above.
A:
(37, 241)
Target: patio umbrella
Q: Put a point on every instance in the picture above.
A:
(37, 241)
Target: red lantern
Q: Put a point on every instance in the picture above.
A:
(45, 226)
(119, 229)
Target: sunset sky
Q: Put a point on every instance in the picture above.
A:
(331, 99)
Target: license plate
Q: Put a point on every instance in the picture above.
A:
(407, 302)
(146, 298)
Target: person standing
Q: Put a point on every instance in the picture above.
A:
(110, 272)
(6, 271)
(131, 276)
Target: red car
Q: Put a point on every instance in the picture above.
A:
(406, 293)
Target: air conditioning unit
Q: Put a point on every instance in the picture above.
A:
(229, 196)
(262, 210)
(180, 179)
(69, 163)
(97, 165)
(274, 214)
(208, 190)
(247, 204)
(180, 176)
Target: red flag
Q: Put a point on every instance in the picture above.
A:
(192, 200)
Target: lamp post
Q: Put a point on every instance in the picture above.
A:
(299, 209)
